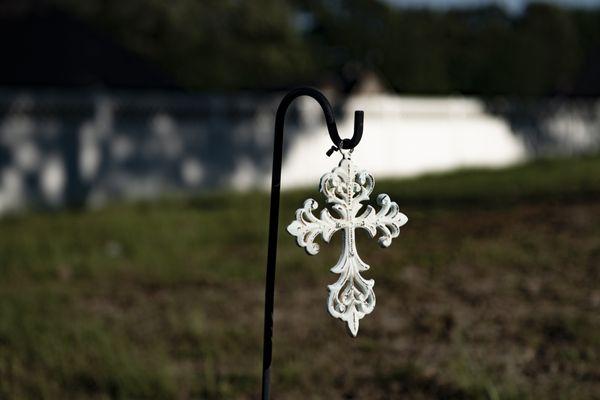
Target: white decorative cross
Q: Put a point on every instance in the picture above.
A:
(352, 296)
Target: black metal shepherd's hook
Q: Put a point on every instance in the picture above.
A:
(274, 209)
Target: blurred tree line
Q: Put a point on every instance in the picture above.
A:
(268, 44)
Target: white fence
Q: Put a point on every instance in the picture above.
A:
(72, 148)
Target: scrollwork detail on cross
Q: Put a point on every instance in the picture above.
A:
(351, 297)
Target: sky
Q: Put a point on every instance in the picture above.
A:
(513, 6)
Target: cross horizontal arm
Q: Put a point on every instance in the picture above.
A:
(387, 220)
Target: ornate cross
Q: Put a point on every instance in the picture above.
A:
(346, 188)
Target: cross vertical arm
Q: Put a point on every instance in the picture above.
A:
(274, 207)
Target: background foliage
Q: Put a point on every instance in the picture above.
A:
(266, 44)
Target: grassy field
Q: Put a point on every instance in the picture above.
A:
(492, 291)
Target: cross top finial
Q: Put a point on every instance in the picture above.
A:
(346, 188)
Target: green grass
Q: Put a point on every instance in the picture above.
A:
(492, 291)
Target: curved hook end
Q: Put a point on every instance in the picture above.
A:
(359, 117)
(347, 144)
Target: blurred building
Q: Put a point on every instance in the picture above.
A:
(64, 147)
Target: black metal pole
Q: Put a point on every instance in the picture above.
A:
(274, 208)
